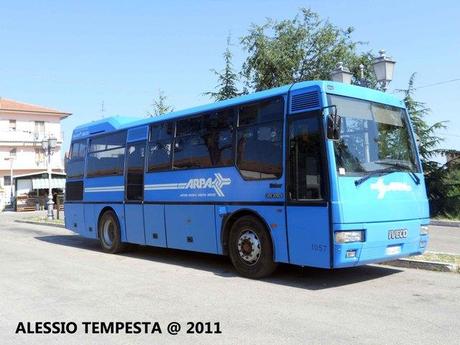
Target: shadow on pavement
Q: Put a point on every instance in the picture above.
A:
(288, 275)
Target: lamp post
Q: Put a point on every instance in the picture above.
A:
(383, 69)
(48, 146)
(341, 74)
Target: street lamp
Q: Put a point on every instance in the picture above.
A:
(341, 74)
(383, 69)
(48, 146)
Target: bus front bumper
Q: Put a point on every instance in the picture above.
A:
(383, 241)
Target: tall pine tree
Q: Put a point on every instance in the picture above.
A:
(443, 190)
(160, 105)
(226, 79)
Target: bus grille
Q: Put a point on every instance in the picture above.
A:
(305, 101)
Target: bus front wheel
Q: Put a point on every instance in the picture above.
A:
(109, 233)
(250, 248)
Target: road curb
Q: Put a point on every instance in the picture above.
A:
(451, 223)
(424, 265)
(39, 223)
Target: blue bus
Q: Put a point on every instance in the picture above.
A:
(316, 173)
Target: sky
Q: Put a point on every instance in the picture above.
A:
(76, 55)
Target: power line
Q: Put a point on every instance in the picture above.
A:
(438, 83)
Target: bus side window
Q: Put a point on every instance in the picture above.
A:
(190, 149)
(159, 151)
(204, 141)
(76, 163)
(106, 156)
(260, 140)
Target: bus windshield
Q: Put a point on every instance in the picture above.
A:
(374, 136)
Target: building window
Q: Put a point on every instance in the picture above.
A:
(7, 180)
(39, 129)
(13, 153)
(12, 125)
(39, 156)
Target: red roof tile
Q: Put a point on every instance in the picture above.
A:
(14, 106)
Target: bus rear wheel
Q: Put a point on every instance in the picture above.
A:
(109, 233)
(250, 248)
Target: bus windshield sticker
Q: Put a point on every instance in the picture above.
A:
(383, 188)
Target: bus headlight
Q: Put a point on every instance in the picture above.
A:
(424, 230)
(349, 236)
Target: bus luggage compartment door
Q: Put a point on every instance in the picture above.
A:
(134, 220)
(191, 227)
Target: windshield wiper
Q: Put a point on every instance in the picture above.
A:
(378, 172)
(404, 167)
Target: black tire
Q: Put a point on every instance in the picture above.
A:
(109, 233)
(250, 248)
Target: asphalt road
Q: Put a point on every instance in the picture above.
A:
(444, 239)
(49, 274)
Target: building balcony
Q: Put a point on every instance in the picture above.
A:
(25, 138)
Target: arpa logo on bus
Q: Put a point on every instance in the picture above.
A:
(383, 188)
(195, 183)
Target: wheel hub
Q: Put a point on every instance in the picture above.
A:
(108, 233)
(249, 247)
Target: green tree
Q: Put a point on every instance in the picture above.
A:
(160, 105)
(426, 134)
(442, 186)
(304, 48)
(226, 79)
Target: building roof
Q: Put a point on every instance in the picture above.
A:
(9, 105)
(38, 173)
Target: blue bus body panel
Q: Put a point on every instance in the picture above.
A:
(309, 235)
(74, 218)
(90, 221)
(101, 126)
(137, 133)
(191, 227)
(154, 223)
(359, 92)
(392, 197)
(104, 189)
(207, 185)
(134, 220)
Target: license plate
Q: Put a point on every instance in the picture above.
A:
(393, 250)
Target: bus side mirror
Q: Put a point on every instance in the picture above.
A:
(334, 122)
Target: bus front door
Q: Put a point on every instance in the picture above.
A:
(307, 207)
(134, 192)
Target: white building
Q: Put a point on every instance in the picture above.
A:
(22, 129)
